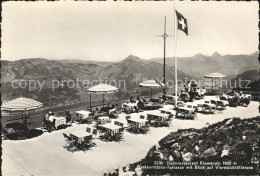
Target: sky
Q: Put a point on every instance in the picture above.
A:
(110, 31)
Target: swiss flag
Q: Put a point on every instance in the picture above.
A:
(182, 23)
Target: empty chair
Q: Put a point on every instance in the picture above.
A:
(127, 117)
(206, 108)
(94, 131)
(88, 130)
(68, 140)
(163, 112)
(142, 117)
(213, 102)
(21, 135)
(4, 133)
(121, 130)
(121, 124)
(170, 116)
(220, 105)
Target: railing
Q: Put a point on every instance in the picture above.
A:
(43, 114)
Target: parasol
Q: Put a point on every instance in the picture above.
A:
(102, 89)
(152, 84)
(213, 76)
(20, 104)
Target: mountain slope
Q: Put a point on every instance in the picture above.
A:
(200, 65)
(133, 70)
(245, 79)
(60, 79)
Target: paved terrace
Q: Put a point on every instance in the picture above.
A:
(45, 155)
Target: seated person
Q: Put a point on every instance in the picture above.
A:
(224, 96)
(68, 116)
(131, 99)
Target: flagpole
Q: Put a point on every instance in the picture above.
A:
(175, 58)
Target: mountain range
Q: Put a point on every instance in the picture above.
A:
(130, 71)
(200, 65)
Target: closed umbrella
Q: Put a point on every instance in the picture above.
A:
(213, 76)
(102, 89)
(20, 104)
(152, 84)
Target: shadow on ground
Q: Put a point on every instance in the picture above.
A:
(31, 134)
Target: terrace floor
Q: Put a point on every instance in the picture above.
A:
(45, 155)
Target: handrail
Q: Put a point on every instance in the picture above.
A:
(42, 114)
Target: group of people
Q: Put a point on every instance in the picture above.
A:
(48, 121)
(235, 98)
(191, 91)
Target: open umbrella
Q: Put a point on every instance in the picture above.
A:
(20, 104)
(213, 76)
(152, 84)
(102, 89)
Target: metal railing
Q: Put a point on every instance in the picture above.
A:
(57, 112)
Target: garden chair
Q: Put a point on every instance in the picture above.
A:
(21, 135)
(142, 117)
(4, 133)
(213, 102)
(220, 105)
(88, 130)
(68, 140)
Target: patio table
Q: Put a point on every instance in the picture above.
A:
(59, 120)
(80, 136)
(111, 110)
(138, 122)
(103, 120)
(111, 130)
(157, 115)
(82, 115)
(168, 111)
(130, 106)
(137, 125)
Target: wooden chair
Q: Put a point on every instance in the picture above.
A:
(127, 117)
(94, 132)
(68, 140)
(4, 133)
(213, 102)
(21, 135)
(88, 130)
(220, 105)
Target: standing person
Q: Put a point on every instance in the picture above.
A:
(131, 99)
(45, 120)
(203, 91)
(68, 116)
(259, 105)
(188, 86)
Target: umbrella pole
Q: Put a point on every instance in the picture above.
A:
(90, 103)
(103, 99)
(212, 85)
(151, 92)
